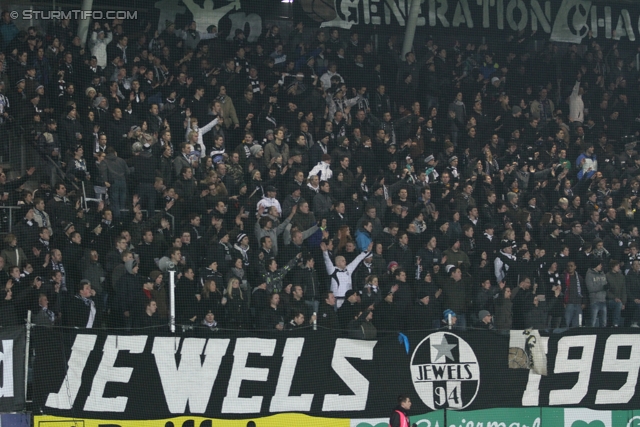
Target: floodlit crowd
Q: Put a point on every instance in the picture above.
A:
(315, 179)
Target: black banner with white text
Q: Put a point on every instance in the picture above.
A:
(560, 20)
(12, 348)
(225, 375)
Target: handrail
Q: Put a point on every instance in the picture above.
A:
(61, 173)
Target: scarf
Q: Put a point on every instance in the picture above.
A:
(567, 282)
(210, 325)
(238, 272)
(50, 314)
(44, 221)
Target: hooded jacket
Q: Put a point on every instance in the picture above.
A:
(117, 169)
(596, 284)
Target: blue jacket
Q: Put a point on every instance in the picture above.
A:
(363, 238)
(591, 162)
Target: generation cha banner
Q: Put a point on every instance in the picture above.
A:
(563, 20)
(235, 376)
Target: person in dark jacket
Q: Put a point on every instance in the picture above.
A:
(186, 300)
(236, 306)
(617, 292)
(485, 297)
(503, 318)
(423, 314)
(575, 291)
(522, 303)
(210, 301)
(386, 314)
(350, 309)
(126, 288)
(455, 295)
(140, 316)
(117, 173)
(551, 288)
(145, 169)
(272, 318)
(327, 317)
(150, 318)
(307, 277)
(400, 415)
(485, 320)
(296, 322)
(80, 310)
(371, 294)
(633, 292)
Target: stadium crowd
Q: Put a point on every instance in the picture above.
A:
(314, 179)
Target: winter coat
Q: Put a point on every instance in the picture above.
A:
(323, 169)
(503, 318)
(596, 282)
(455, 296)
(617, 287)
(322, 204)
(274, 279)
(127, 286)
(93, 272)
(117, 169)
(633, 285)
(14, 257)
(99, 47)
(363, 239)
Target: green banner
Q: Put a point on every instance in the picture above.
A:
(499, 417)
(579, 417)
(432, 419)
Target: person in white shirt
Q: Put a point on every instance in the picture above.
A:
(576, 104)
(194, 134)
(504, 261)
(341, 274)
(270, 200)
(326, 77)
(323, 168)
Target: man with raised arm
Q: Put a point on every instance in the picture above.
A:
(341, 273)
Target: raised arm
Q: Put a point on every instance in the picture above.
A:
(354, 264)
(186, 134)
(207, 36)
(287, 220)
(282, 226)
(309, 232)
(206, 128)
(576, 89)
(257, 230)
(327, 261)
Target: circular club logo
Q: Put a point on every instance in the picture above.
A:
(445, 371)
